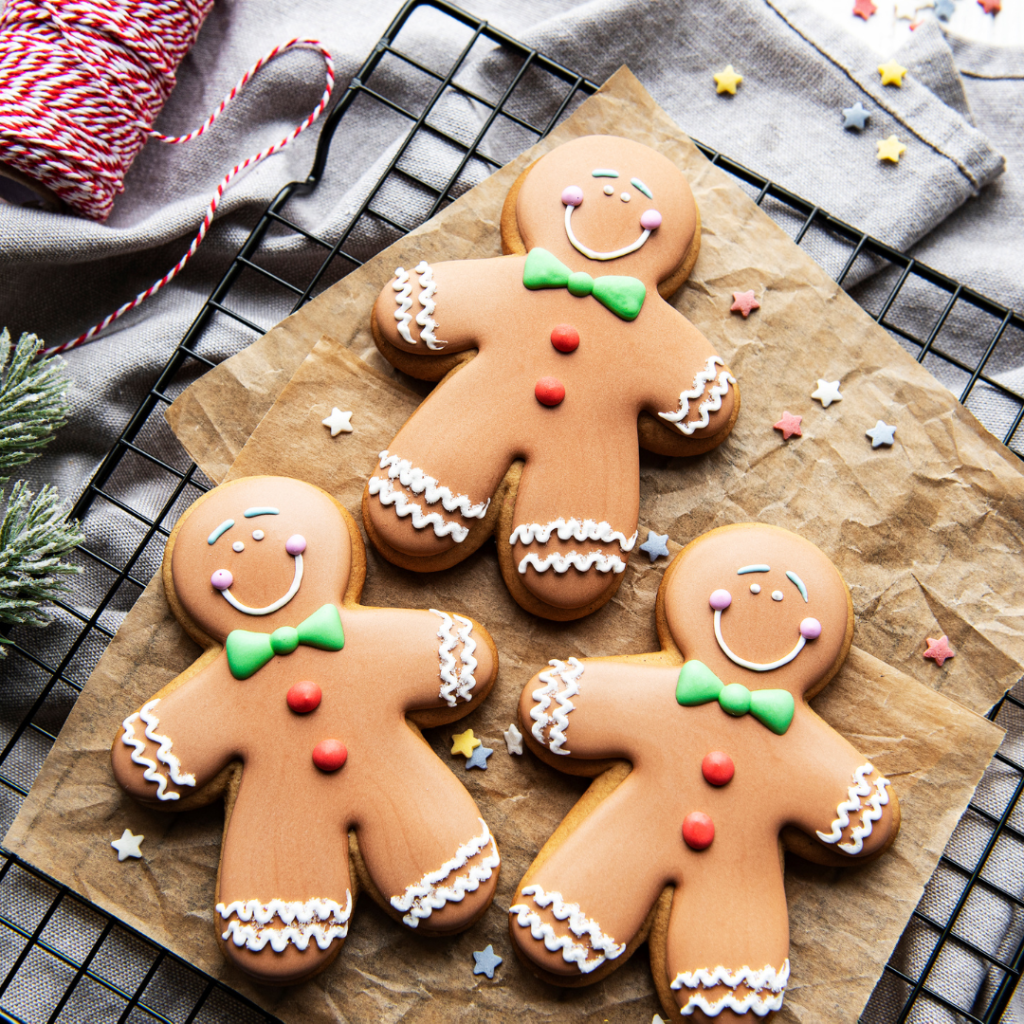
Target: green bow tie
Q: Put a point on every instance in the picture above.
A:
(624, 296)
(699, 685)
(248, 652)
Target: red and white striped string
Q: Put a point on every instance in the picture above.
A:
(80, 87)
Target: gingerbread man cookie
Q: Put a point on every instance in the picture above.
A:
(299, 714)
(567, 355)
(729, 765)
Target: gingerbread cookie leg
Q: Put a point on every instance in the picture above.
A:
(431, 860)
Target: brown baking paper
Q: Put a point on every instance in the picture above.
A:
(934, 749)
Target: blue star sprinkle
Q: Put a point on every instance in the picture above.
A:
(656, 544)
(881, 433)
(479, 757)
(856, 116)
(944, 9)
(486, 960)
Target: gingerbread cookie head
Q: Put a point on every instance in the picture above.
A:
(622, 205)
(757, 603)
(266, 550)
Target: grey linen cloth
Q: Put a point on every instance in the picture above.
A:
(945, 202)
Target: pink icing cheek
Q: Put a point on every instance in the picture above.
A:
(720, 600)
(295, 544)
(221, 579)
(650, 220)
(810, 629)
(572, 196)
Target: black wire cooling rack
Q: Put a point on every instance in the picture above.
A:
(62, 958)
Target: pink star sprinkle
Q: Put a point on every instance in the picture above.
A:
(744, 302)
(789, 425)
(939, 649)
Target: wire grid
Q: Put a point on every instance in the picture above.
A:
(62, 958)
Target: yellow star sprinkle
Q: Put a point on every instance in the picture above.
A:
(727, 80)
(464, 743)
(892, 73)
(891, 149)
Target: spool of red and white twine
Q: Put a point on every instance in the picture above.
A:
(81, 83)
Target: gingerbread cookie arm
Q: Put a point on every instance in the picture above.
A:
(164, 752)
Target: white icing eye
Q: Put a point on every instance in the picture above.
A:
(238, 546)
(257, 535)
(776, 595)
(625, 197)
(609, 190)
(755, 588)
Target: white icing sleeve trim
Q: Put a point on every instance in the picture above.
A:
(163, 753)
(422, 898)
(419, 483)
(562, 563)
(765, 980)
(384, 490)
(580, 925)
(572, 529)
(852, 805)
(425, 318)
(710, 404)
(317, 919)
(568, 675)
(403, 297)
(455, 686)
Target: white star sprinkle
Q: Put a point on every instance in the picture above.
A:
(128, 845)
(827, 393)
(881, 433)
(338, 421)
(513, 739)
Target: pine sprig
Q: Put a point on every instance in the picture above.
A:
(33, 400)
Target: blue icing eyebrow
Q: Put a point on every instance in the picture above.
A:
(637, 183)
(605, 174)
(261, 510)
(753, 568)
(798, 583)
(220, 531)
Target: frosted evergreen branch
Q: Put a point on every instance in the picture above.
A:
(33, 400)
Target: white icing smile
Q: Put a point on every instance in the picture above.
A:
(650, 220)
(223, 580)
(753, 665)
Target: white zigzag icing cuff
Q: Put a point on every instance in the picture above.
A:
(568, 675)
(455, 686)
(571, 529)
(163, 753)
(852, 805)
(321, 920)
(580, 925)
(562, 563)
(422, 898)
(710, 404)
(425, 318)
(758, 981)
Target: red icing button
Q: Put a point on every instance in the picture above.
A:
(698, 830)
(565, 338)
(304, 697)
(330, 755)
(718, 768)
(549, 391)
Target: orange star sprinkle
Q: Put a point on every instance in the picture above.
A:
(864, 8)
(939, 650)
(744, 302)
(789, 425)
(990, 6)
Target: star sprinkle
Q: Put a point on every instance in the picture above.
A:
(656, 545)
(486, 961)
(128, 845)
(479, 758)
(881, 433)
(892, 73)
(856, 116)
(789, 425)
(827, 392)
(744, 302)
(990, 6)
(513, 739)
(464, 743)
(864, 8)
(727, 80)
(944, 9)
(339, 422)
(891, 149)
(939, 650)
